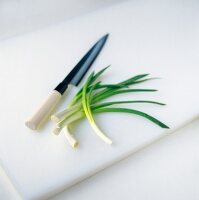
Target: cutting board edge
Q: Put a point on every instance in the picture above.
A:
(9, 180)
(66, 186)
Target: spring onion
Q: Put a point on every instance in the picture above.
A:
(87, 102)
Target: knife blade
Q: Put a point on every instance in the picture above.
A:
(42, 113)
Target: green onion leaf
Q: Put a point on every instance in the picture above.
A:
(131, 111)
(87, 101)
(100, 105)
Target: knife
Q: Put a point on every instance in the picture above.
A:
(42, 113)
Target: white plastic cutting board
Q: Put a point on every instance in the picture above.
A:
(144, 38)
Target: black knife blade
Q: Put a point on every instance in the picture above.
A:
(78, 72)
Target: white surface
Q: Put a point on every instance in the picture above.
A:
(20, 16)
(33, 52)
(168, 169)
(165, 170)
(7, 190)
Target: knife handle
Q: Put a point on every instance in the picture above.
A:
(44, 111)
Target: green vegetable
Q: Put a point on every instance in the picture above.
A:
(88, 99)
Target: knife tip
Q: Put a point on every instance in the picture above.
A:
(106, 35)
(104, 38)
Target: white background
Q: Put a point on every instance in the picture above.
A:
(168, 169)
(19, 16)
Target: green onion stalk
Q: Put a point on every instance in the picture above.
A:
(88, 101)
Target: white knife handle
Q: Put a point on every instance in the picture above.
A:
(44, 111)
